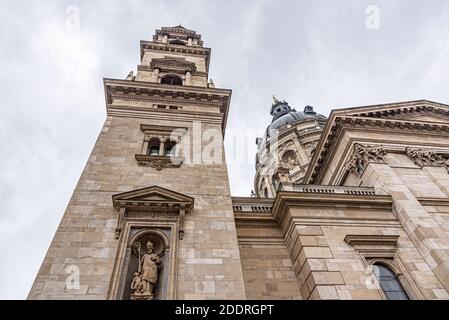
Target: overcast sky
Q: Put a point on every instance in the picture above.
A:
(328, 54)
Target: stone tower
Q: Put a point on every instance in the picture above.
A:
(151, 216)
(286, 149)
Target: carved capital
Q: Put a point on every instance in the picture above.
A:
(422, 157)
(362, 156)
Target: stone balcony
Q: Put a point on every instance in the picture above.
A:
(256, 205)
(363, 191)
(265, 205)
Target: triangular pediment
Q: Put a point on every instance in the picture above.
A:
(419, 115)
(421, 111)
(151, 197)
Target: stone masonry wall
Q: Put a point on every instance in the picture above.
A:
(209, 260)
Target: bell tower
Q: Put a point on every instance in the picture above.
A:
(151, 216)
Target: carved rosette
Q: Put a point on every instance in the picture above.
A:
(158, 162)
(362, 156)
(427, 157)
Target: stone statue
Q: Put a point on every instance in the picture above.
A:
(137, 285)
(149, 269)
(130, 76)
(145, 279)
(289, 161)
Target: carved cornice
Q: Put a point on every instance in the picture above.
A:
(158, 162)
(140, 90)
(373, 245)
(433, 201)
(405, 110)
(285, 199)
(166, 130)
(262, 241)
(376, 240)
(156, 92)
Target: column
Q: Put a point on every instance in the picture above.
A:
(162, 147)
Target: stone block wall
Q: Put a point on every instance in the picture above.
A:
(267, 272)
(209, 261)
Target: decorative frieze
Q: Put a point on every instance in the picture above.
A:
(362, 156)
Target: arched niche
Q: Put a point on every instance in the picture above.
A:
(134, 258)
(150, 214)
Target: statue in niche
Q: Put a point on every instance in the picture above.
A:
(289, 160)
(145, 279)
(137, 285)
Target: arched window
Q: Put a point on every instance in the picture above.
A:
(275, 179)
(178, 42)
(389, 283)
(173, 80)
(170, 148)
(154, 147)
(265, 192)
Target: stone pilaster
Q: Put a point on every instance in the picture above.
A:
(316, 282)
(421, 228)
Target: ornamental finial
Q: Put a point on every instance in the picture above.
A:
(275, 100)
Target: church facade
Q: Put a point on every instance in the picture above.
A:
(353, 206)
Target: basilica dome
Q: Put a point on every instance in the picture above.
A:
(283, 114)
